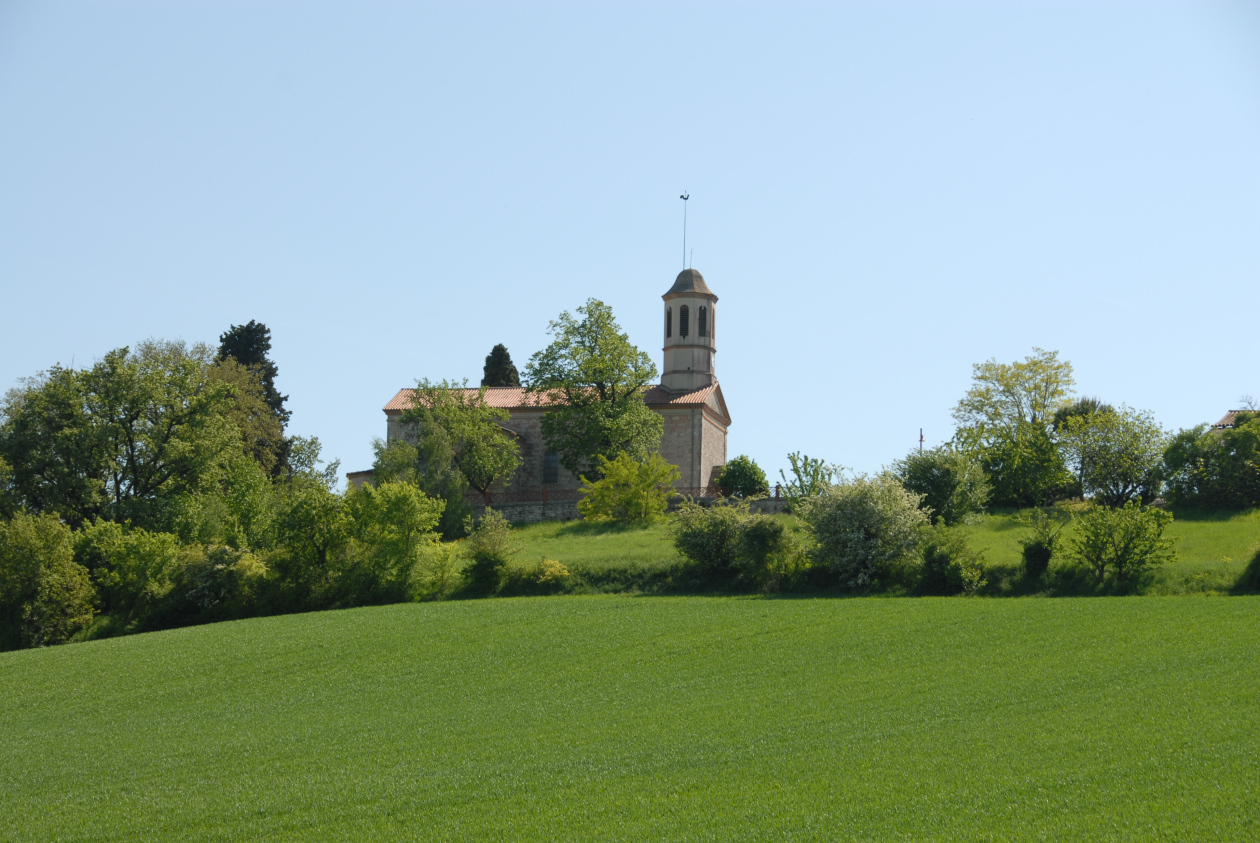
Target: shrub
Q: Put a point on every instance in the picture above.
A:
(629, 492)
(953, 486)
(135, 569)
(221, 582)
(711, 536)
(1124, 541)
(861, 526)
(45, 597)
(489, 546)
(950, 566)
(769, 554)
(1039, 547)
(551, 571)
(743, 478)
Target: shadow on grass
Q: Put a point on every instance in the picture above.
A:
(1207, 515)
(1249, 581)
(587, 528)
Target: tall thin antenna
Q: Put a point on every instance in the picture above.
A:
(920, 440)
(685, 196)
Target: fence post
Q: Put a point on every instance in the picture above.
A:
(776, 491)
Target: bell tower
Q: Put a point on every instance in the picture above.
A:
(690, 310)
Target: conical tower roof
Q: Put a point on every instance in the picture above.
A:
(690, 282)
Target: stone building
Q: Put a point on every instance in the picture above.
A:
(688, 398)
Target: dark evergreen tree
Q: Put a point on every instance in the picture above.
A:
(249, 346)
(499, 370)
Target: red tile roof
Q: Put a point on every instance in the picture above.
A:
(1228, 421)
(517, 398)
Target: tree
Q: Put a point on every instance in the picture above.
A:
(1025, 470)
(250, 346)
(811, 476)
(1004, 422)
(953, 485)
(392, 527)
(593, 379)
(629, 492)
(135, 568)
(862, 526)
(1117, 453)
(261, 430)
(45, 597)
(453, 425)
(1124, 541)
(499, 369)
(123, 440)
(743, 478)
(1215, 469)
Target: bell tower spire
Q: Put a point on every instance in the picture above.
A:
(690, 311)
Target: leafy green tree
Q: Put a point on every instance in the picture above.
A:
(629, 492)
(134, 568)
(8, 495)
(862, 526)
(953, 485)
(811, 476)
(1118, 454)
(499, 369)
(399, 461)
(455, 429)
(392, 527)
(743, 478)
(122, 440)
(1025, 470)
(261, 430)
(1004, 422)
(1123, 541)
(1215, 469)
(45, 597)
(594, 379)
(250, 346)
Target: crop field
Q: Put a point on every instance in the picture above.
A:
(675, 718)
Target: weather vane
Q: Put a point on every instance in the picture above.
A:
(685, 196)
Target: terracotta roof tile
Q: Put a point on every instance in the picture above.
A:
(1228, 421)
(516, 397)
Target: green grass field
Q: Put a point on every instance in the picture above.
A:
(623, 718)
(1212, 551)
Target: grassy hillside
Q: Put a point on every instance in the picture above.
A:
(1213, 550)
(648, 718)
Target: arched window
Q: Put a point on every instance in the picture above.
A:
(702, 322)
(669, 322)
(682, 321)
(551, 468)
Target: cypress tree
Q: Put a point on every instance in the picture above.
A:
(499, 370)
(249, 345)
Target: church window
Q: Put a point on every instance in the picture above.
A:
(669, 322)
(702, 322)
(551, 468)
(682, 321)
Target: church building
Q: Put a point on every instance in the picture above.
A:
(688, 399)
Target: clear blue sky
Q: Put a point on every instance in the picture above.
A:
(882, 195)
